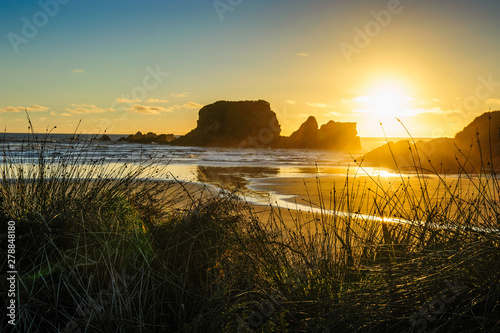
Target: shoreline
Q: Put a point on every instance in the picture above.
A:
(310, 194)
(313, 194)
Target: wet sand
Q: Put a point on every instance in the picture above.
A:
(388, 198)
(360, 198)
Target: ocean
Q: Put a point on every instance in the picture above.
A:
(256, 172)
(192, 163)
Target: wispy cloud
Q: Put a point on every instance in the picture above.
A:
(410, 112)
(361, 99)
(64, 114)
(333, 113)
(31, 108)
(191, 105)
(182, 94)
(156, 100)
(291, 102)
(83, 105)
(372, 99)
(435, 110)
(493, 101)
(399, 106)
(156, 110)
(301, 115)
(148, 109)
(302, 54)
(320, 105)
(87, 109)
(128, 101)
(12, 109)
(38, 108)
(77, 71)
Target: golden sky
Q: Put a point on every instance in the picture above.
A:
(124, 66)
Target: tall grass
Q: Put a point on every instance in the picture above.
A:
(109, 248)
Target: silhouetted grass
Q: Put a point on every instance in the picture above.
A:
(108, 248)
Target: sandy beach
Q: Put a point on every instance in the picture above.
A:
(390, 197)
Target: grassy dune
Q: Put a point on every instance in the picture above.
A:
(107, 248)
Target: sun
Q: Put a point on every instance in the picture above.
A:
(385, 102)
(387, 99)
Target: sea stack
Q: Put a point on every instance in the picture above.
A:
(241, 124)
(332, 136)
(252, 124)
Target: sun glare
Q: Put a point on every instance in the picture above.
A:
(383, 101)
(388, 99)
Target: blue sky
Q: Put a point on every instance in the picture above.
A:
(429, 63)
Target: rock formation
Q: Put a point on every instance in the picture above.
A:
(252, 124)
(244, 124)
(474, 149)
(339, 136)
(104, 137)
(148, 138)
(332, 135)
(304, 137)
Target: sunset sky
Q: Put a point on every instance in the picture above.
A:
(124, 66)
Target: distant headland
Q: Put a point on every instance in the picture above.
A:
(474, 149)
(252, 124)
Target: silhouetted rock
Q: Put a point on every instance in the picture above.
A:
(164, 138)
(104, 137)
(474, 149)
(150, 137)
(339, 136)
(305, 137)
(484, 129)
(332, 135)
(436, 155)
(252, 124)
(243, 124)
